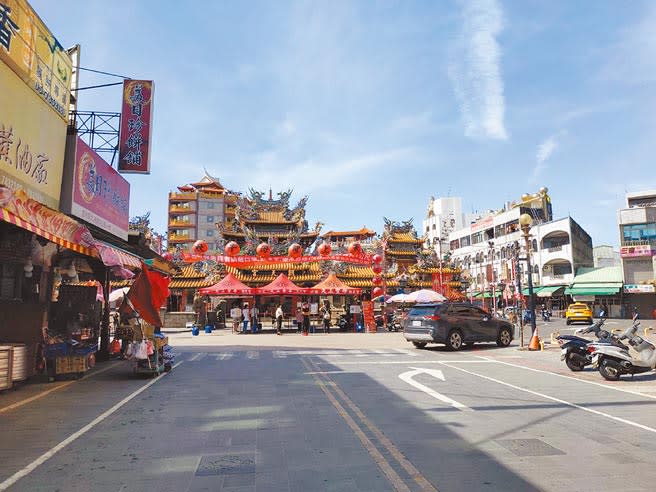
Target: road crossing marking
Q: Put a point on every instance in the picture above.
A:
(252, 354)
(223, 355)
(281, 354)
(553, 398)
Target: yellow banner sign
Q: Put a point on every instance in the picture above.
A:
(31, 50)
(32, 141)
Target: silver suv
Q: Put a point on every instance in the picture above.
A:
(454, 324)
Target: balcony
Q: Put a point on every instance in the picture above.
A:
(180, 238)
(182, 196)
(181, 223)
(176, 209)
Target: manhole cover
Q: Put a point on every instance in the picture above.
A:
(228, 464)
(529, 447)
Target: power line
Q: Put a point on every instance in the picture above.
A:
(104, 73)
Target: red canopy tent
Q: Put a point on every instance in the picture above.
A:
(228, 285)
(283, 286)
(333, 285)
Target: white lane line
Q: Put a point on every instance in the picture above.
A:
(252, 354)
(224, 355)
(330, 372)
(408, 378)
(404, 362)
(195, 356)
(552, 398)
(407, 352)
(542, 371)
(49, 454)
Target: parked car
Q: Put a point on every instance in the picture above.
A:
(578, 311)
(454, 324)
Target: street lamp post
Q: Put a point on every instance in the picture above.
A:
(525, 221)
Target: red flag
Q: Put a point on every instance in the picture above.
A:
(148, 293)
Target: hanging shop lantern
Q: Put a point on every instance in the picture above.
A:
(355, 249)
(377, 269)
(231, 249)
(377, 259)
(324, 249)
(200, 247)
(377, 280)
(295, 250)
(377, 292)
(263, 250)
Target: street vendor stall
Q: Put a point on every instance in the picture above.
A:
(73, 330)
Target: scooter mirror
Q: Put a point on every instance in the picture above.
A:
(602, 314)
(635, 317)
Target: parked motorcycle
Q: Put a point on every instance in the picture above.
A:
(574, 348)
(345, 322)
(613, 361)
(390, 321)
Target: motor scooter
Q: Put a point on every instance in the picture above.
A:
(613, 361)
(574, 348)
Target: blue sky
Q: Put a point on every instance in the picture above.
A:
(372, 107)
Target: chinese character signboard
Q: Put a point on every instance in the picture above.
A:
(639, 289)
(634, 251)
(94, 191)
(35, 55)
(32, 141)
(136, 126)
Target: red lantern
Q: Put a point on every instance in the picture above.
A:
(295, 250)
(377, 280)
(168, 256)
(324, 249)
(263, 250)
(377, 259)
(376, 269)
(355, 249)
(376, 292)
(200, 247)
(231, 249)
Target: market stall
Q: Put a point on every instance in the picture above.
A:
(73, 331)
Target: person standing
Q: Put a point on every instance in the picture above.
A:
(255, 319)
(235, 315)
(305, 310)
(299, 319)
(325, 315)
(279, 317)
(245, 316)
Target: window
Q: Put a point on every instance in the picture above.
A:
(465, 241)
(477, 237)
(210, 233)
(210, 218)
(210, 205)
(639, 232)
(534, 245)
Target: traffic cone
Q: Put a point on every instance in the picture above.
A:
(534, 344)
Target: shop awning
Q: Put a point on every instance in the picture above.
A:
(228, 285)
(551, 290)
(537, 289)
(282, 285)
(488, 295)
(333, 285)
(123, 257)
(18, 209)
(594, 289)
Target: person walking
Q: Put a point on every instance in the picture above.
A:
(325, 315)
(305, 310)
(279, 317)
(255, 312)
(245, 316)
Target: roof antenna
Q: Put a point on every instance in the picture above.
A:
(270, 194)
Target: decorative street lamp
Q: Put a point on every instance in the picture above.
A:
(525, 221)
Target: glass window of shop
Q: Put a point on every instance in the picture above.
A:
(639, 232)
(500, 230)
(477, 237)
(465, 241)
(455, 244)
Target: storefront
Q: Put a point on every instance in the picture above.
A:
(600, 288)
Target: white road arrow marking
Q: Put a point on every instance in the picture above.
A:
(436, 373)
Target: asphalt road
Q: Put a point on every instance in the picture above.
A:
(338, 412)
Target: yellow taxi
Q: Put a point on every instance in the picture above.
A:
(578, 311)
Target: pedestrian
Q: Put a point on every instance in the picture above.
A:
(235, 315)
(305, 310)
(299, 320)
(245, 317)
(604, 308)
(279, 316)
(325, 315)
(255, 319)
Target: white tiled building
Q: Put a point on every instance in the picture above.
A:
(487, 250)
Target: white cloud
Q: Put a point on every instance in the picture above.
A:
(545, 151)
(475, 70)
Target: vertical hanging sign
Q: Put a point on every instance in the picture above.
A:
(136, 126)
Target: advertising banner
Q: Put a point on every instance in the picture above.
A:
(635, 251)
(639, 289)
(32, 141)
(136, 127)
(368, 314)
(100, 195)
(35, 55)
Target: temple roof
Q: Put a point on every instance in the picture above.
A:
(362, 232)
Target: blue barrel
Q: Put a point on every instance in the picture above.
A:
(208, 328)
(194, 331)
